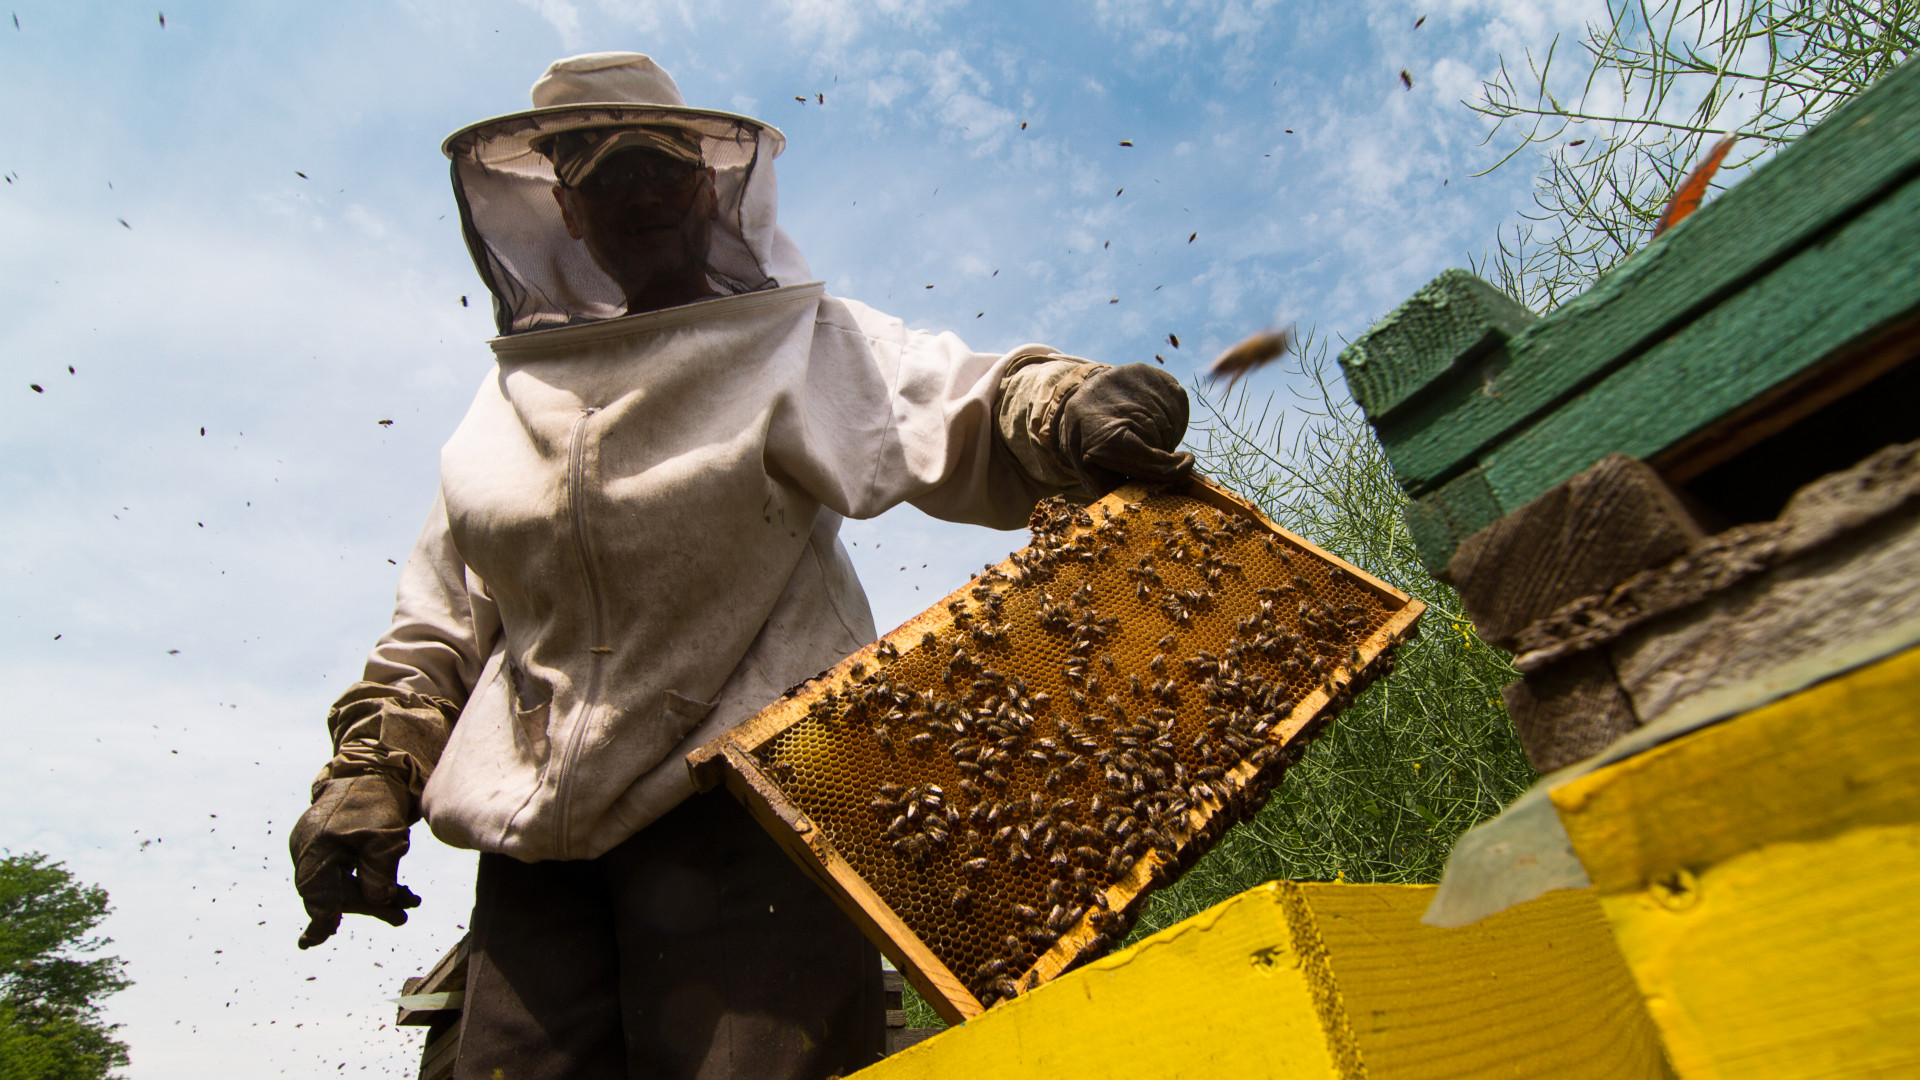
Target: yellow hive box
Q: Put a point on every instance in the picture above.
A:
(1324, 982)
(1763, 880)
(991, 790)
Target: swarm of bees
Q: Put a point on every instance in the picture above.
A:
(1087, 719)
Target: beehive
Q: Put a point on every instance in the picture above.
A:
(992, 789)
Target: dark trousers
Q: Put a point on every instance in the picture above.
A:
(694, 949)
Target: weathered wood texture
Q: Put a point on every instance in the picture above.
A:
(1883, 485)
(441, 1053)
(1762, 877)
(447, 978)
(1325, 981)
(1581, 537)
(1569, 711)
(1860, 585)
(1849, 170)
(1451, 322)
(1862, 277)
(899, 1035)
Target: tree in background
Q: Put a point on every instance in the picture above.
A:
(50, 991)
(1663, 80)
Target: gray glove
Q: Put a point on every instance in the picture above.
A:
(1124, 423)
(346, 853)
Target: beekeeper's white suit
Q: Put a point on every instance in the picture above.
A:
(635, 544)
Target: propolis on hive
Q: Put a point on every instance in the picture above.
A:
(992, 790)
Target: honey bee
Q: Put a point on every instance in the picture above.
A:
(886, 650)
(921, 742)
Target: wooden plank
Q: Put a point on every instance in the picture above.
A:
(1583, 536)
(1130, 520)
(1858, 586)
(1324, 981)
(1850, 162)
(1858, 281)
(901, 1038)
(1789, 402)
(448, 975)
(1539, 990)
(438, 1057)
(1883, 484)
(1451, 322)
(815, 854)
(1569, 711)
(1441, 520)
(1225, 993)
(1763, 879)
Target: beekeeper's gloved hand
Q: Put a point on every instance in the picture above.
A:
(1125, 423)
(346, 853)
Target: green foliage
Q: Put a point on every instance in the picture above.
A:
(1662, 80)
(50, 990)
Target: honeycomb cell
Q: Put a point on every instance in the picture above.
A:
(1013, 772)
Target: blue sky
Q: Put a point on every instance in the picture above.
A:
(177, 609)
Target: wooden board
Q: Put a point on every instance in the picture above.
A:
(1862, 278)
(1582, 537)
(1452, 322)
(1195, 735)
(1763, 879)
(1324, 982)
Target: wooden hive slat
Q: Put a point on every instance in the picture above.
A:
(827, 827)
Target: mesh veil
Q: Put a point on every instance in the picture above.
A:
(540, 277)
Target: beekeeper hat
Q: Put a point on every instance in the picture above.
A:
(600, 94)
(586, 108)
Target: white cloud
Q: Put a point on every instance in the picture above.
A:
(563, 16)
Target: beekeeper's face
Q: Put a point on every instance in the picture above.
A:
(647, 219)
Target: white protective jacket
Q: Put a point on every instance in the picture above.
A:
(636, 542)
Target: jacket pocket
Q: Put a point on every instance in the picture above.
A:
(683, 714)
(532, 705)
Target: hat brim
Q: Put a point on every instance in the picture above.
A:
(506, 142)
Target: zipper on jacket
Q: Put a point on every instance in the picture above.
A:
(589, 701)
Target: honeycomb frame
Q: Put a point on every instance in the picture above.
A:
(789, 763)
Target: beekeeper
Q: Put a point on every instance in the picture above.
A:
(634, 548)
